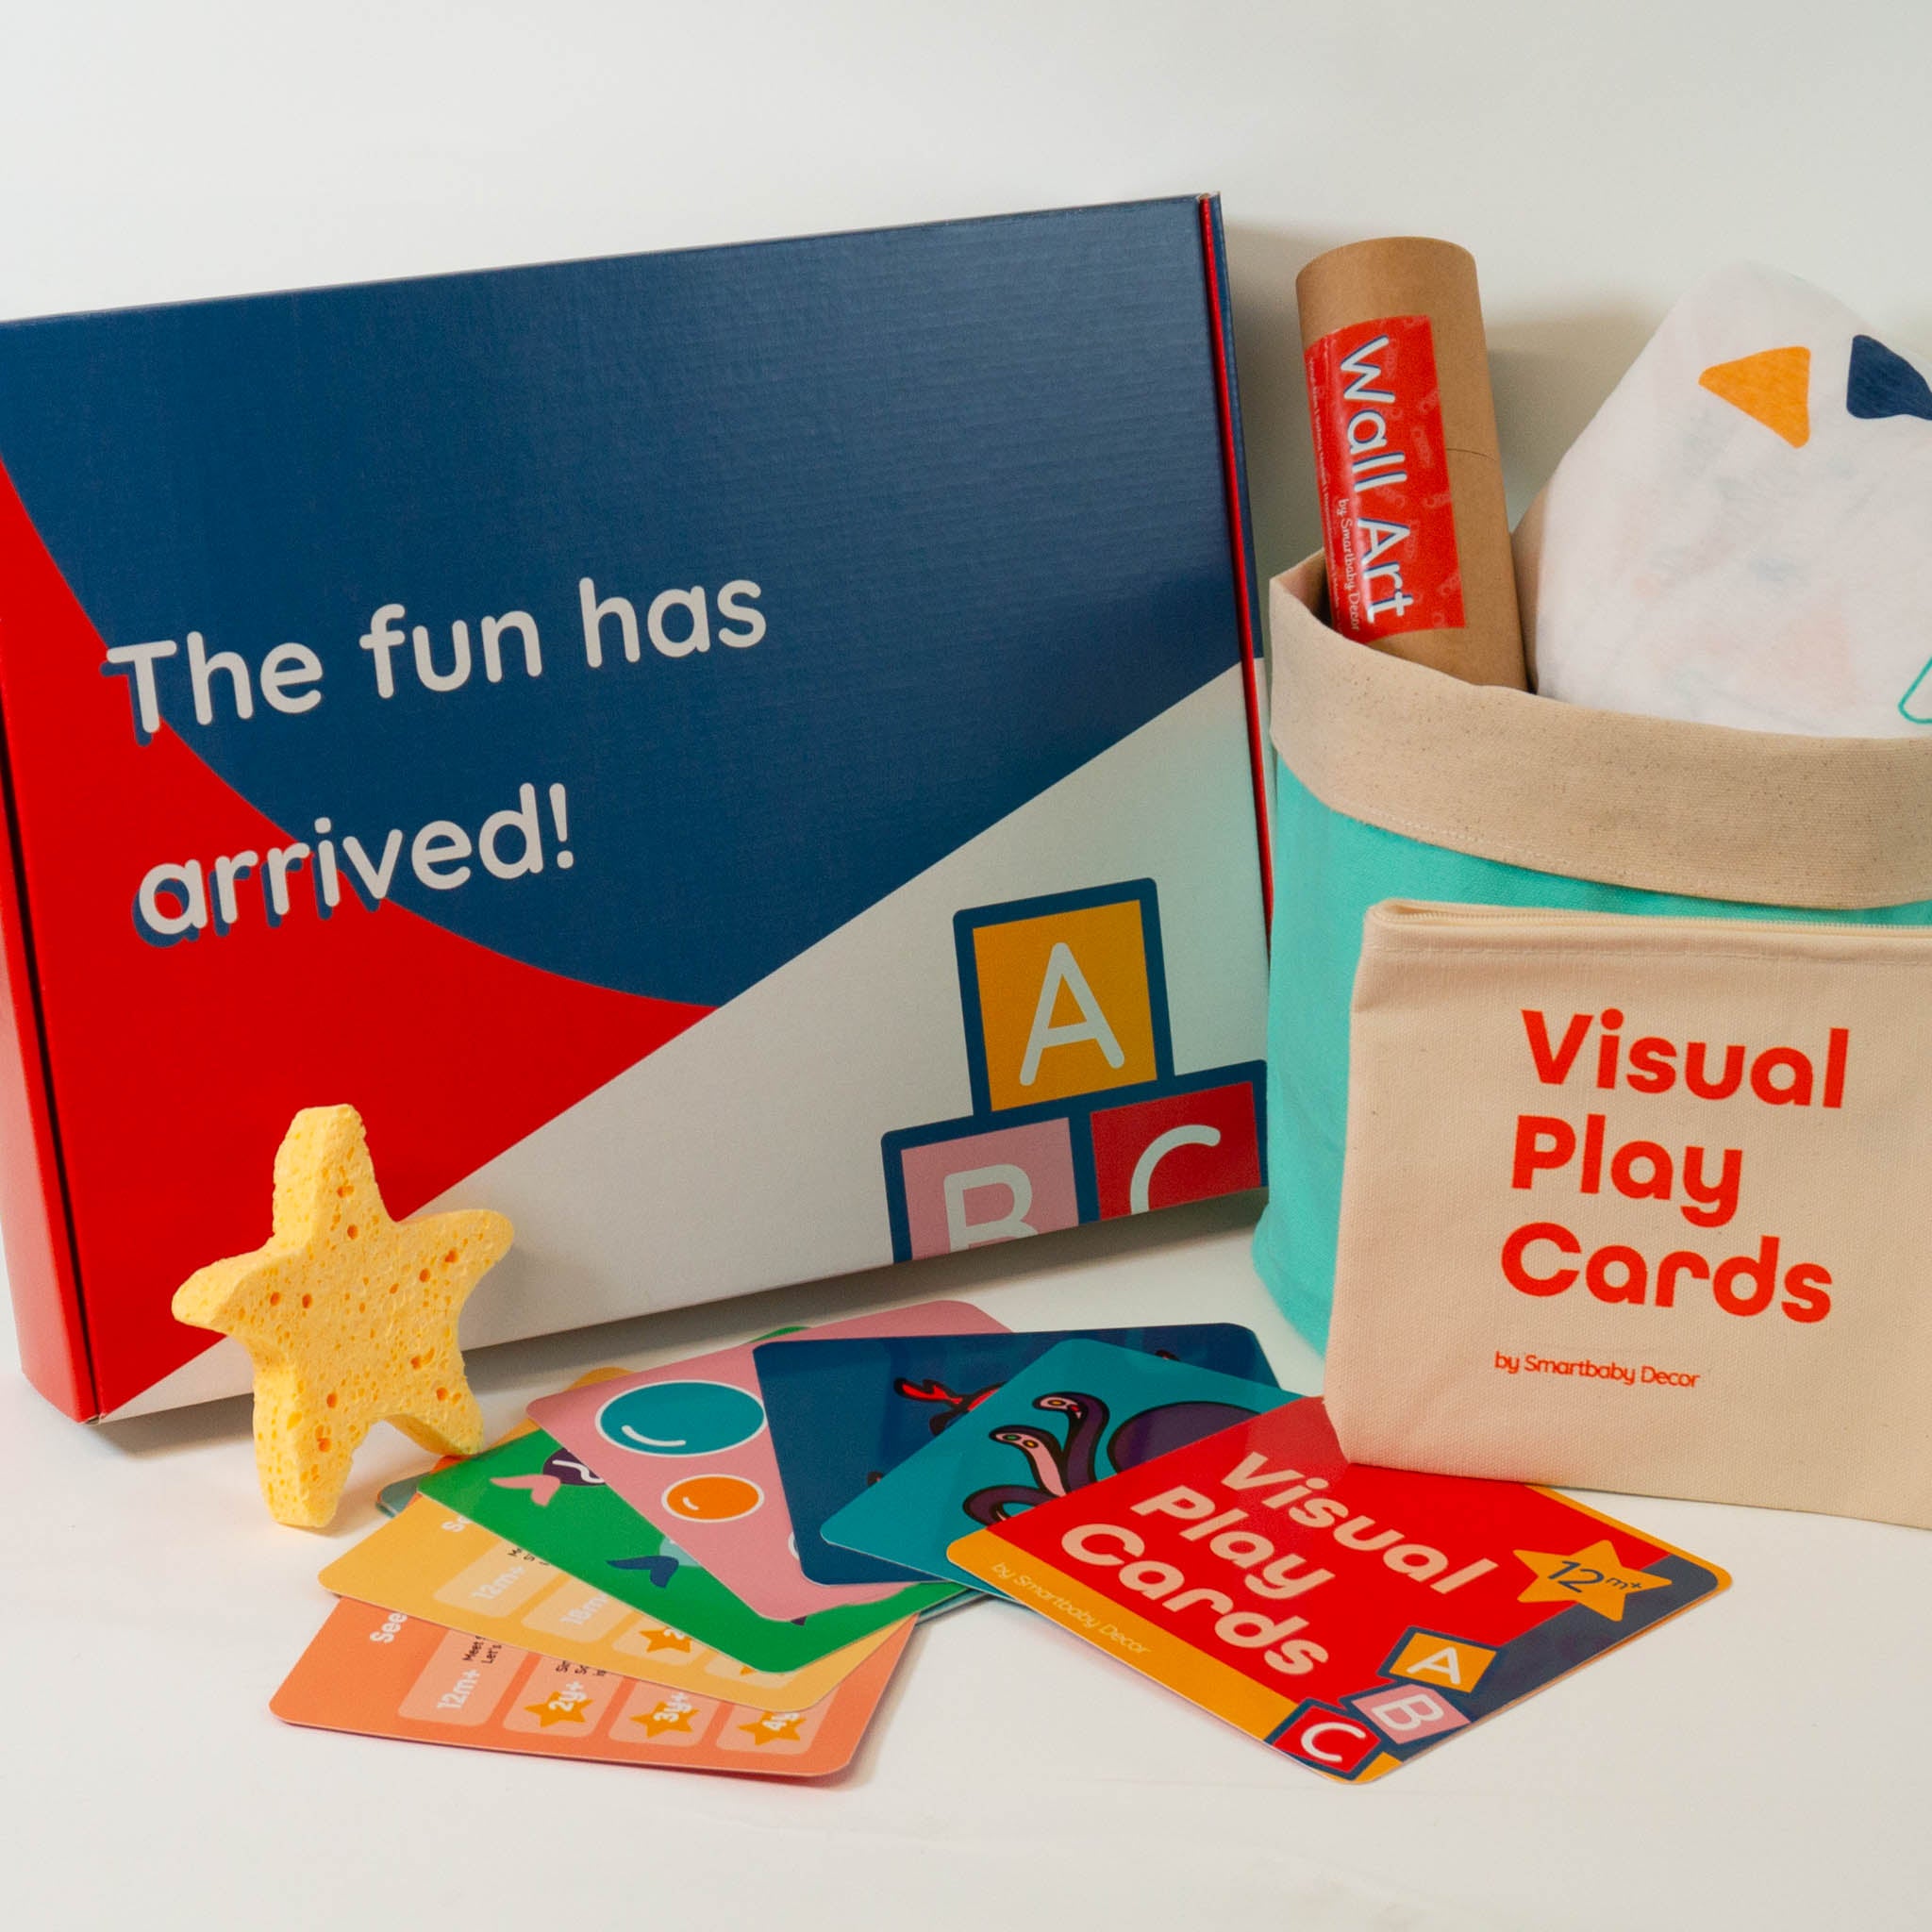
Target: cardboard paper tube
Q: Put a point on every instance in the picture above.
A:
(1413, 518)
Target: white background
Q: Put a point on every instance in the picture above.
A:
(1757, 1764)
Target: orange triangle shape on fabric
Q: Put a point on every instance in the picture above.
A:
(1775, 386)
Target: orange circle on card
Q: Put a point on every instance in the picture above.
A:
(712, 1498)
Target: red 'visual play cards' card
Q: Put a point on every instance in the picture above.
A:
(1351, 1617)
(382, 1675)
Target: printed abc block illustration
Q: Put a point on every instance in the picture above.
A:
(1077, 1112)
(1441, 1684)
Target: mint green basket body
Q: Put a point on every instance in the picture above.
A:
(1839, 831)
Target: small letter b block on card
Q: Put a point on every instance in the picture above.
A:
(1410, 1713)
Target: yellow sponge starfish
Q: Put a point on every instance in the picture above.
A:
(350, 1317)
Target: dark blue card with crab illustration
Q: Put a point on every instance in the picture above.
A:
(1082, 1412)
(845, 1411)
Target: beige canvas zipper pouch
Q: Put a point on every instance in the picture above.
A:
(1640, 1203)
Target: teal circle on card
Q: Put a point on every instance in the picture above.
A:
(681, 1418)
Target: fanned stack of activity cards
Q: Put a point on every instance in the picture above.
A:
(716, 1563)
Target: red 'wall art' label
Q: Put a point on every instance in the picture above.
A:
(1383, 473)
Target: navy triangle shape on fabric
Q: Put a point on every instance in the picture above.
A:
(1883, 383)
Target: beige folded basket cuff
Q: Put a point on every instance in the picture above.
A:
(1759, 817)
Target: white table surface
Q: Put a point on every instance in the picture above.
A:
(1756, 1763)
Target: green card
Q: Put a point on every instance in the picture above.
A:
(542, 1499)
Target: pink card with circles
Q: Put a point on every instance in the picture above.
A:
(687, 1445)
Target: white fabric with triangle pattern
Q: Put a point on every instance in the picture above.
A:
(1740, 536)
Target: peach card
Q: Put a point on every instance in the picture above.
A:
(380, 1674)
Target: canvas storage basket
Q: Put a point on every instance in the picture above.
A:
(1657, 882)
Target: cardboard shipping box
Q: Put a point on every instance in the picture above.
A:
(743, 760)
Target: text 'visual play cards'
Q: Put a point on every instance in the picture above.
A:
(1351, 1617)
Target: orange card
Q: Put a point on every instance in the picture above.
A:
(382, 1675)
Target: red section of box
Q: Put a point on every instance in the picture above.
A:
(33, 1203)
(451, 1052)
(1191, 1168)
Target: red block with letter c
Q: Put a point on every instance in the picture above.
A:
(1178, 1147)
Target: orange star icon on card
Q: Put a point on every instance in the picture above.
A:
(564, 1706)
(664, 1638)
(674, 1714)
(778, 1726)
(350, 1317)
(1593, 1577)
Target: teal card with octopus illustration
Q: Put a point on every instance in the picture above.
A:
(1082, 1412)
